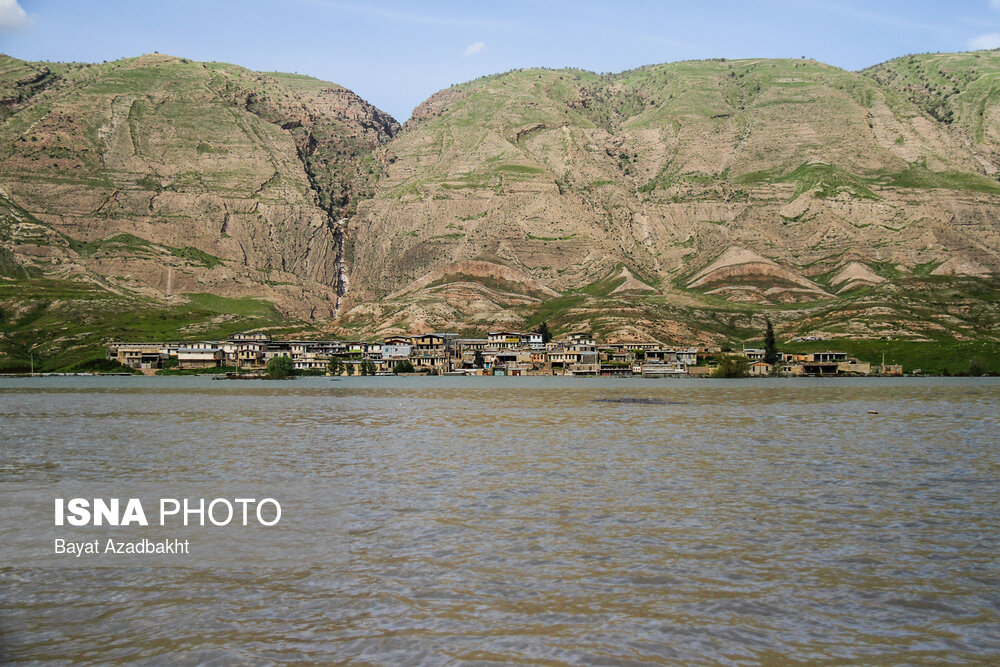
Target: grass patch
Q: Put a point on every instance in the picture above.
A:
(67, 323)
(195, 256)
(828, 180)
(935, 357)
(919, 177)
(519, 169)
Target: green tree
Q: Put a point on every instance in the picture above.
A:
(279, 368)
(335, 367)
(770, 346)
(543, 329)
(403, 366)
(367, 367)
(478, 360)
(732, 366)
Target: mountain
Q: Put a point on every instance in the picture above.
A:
(149, 178)
(157, 170)
(682, 201)
(705, 183)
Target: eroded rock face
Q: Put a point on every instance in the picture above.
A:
(236, 182)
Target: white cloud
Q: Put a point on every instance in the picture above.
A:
(990, 40)
(12, 17)
(473, 49)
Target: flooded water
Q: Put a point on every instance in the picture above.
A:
(536, 520)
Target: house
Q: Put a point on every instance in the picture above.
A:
(472, 344)
(761, 367)
(250, 353)
(259, 337)
(199, 356)
(138, 355)
(504, 339)
(533, 341)
(395, 352)
(432, 351)
(668, 369)
(581, 340)
(310, 361)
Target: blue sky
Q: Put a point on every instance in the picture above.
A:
(395, 54)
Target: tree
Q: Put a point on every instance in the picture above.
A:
(770, 347)
(403, 366)
(279, 368)
(478, 360)
(543, 329)
(335, 367)
(367, 367)
(732, 366)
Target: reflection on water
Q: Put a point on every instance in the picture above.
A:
(539, 520)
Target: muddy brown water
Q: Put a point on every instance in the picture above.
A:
(535, 520)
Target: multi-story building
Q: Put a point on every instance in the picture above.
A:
(138, 355)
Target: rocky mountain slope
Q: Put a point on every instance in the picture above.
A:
(753, 181)
(683, 201)
(159, 176)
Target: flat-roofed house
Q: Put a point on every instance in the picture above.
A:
(138, 355)
(244, 336)
(395, 352)
(503, 340)
(432, 351)
(533, 340)
(250, 353)
(581, 341)
(310, 361)
(199, 355)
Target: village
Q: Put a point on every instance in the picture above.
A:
(509, 353)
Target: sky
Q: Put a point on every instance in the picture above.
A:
(395, 54)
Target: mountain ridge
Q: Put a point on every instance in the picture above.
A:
(590, 200)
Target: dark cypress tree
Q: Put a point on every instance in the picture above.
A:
(543, 329)
(770, 347)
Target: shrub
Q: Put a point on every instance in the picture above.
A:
(402, 367)
(732, 366)
(279, 368)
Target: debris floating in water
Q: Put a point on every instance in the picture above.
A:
(873, 412)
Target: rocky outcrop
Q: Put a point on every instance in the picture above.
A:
(854, 275)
